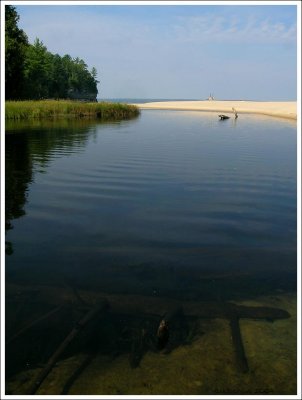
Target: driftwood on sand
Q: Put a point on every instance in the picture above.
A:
(223, 116)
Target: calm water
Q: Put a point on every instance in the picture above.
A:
(174, 205)
(140, 100)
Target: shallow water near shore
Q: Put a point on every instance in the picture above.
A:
(206, 366)
(171, 206)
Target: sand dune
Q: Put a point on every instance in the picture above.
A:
(284, 109)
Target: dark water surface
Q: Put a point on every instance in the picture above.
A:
(174, 205)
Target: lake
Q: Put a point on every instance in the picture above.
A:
(169, 207)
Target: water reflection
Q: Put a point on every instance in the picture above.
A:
(24, 157)
(186, 210)
(18, 175)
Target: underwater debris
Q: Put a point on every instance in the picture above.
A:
(154, 329)
(101, 307)
(162, 334)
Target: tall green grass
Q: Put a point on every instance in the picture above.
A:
(21, 110)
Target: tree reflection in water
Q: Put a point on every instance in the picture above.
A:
(24, 157)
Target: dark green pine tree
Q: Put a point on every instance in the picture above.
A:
(16, 44)
(32, 72)
(38, 71)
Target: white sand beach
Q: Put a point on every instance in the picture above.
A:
(284, 109)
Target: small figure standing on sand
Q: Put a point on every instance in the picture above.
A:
(235, 112)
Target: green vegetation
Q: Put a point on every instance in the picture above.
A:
(26, 110)
(32, 72)
(16, 44)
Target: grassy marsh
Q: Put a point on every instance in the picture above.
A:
(25, 110)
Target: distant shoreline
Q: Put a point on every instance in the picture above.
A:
(282, 109)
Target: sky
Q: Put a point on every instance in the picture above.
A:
(176, 51)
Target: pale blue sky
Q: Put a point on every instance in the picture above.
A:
(183, 51)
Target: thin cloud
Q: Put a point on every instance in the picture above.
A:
(86, 29)
(212, 28)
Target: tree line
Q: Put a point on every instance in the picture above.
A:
(32, 72)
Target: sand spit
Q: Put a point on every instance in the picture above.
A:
(284, 109)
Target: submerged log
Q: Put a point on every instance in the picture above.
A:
(138, 347)
(203, 309)
(93, 313)
(33, 323)
(158, 307)
(75, 375)
(241, 359)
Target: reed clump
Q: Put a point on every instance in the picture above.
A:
(43, 109)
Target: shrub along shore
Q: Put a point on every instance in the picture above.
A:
(51, 109)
